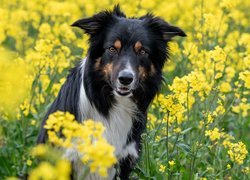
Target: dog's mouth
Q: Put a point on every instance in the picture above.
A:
(123, 91)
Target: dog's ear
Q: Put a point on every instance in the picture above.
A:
(117, 11)
(158, 25)
(96, 23)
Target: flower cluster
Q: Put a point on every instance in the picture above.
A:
(47, 171)
(64, 131)
(183, 90)
(237, 152)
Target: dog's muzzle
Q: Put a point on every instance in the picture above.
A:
(124, 83)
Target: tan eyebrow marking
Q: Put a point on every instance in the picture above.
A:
(138, 46)
(118, 44)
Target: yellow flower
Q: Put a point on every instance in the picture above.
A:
(246, 170)
(45, 170)
(148, 4)
(14, 86)
(157, 138)
(210, 118)
(228, 4)
(173, 46)
(29, 162)
(63, 168)
(218, 54)
(39, 150)
(171, 163)
(245, 76)
(33, 122)
(213, 134)
(152, 120)
(242, 107)
(201, 124)
(218, 75)
(177, 130)
(237, 152)
(228, 166)
(87, 138)
(162, 168)
(225, 87)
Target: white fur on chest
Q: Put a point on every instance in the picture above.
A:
(118, 124)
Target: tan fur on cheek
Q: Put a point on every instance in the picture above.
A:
(107, 69)
(152, 70)
(142, 72)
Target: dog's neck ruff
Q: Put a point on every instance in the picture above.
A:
(118, 123)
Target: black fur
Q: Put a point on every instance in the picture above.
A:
(104, 28)
(66, 101)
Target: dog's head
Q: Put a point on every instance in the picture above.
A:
(128, 51)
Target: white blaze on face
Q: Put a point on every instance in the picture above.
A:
(129, 68)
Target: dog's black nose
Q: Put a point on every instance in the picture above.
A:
(125, 77)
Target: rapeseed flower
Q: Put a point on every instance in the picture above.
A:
(171, 163)
(86, 138)
(237, 152)
(47, 171)
(214, 134)
(162, 168)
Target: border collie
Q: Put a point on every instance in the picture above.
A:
(117, 80)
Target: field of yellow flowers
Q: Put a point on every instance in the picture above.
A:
(198, 126)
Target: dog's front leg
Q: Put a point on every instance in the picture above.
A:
(126, 165)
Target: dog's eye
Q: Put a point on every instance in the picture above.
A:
(112, 50)
(142, 52)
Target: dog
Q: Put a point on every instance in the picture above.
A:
(117, 80)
